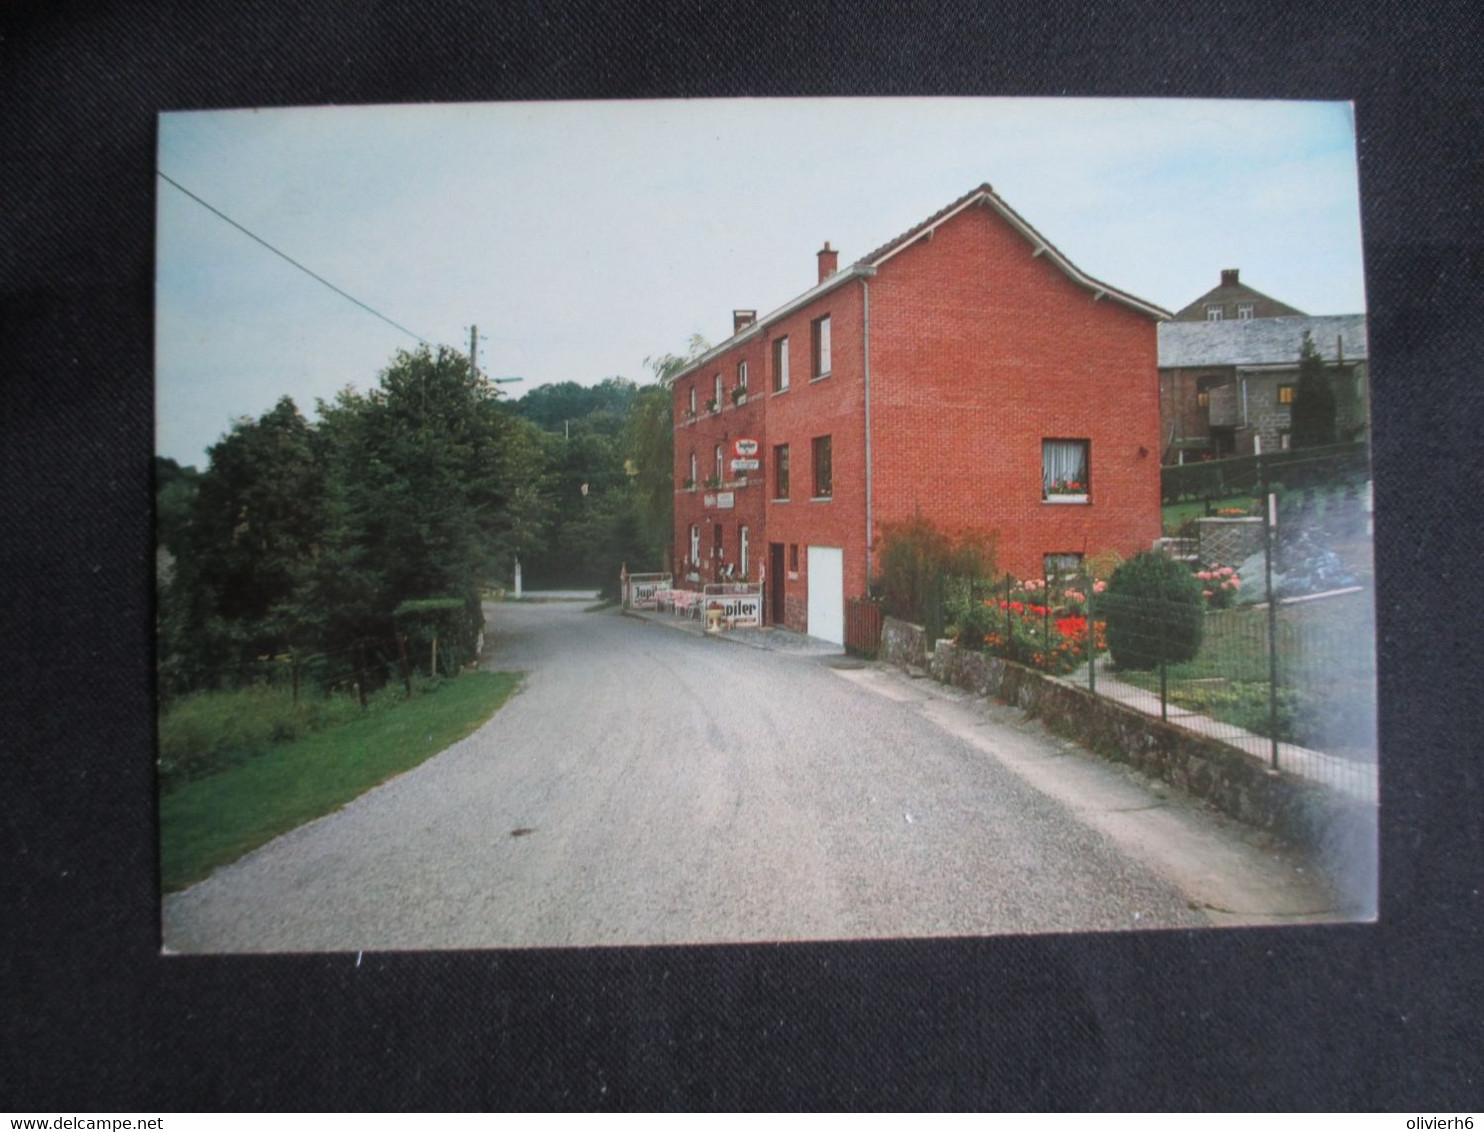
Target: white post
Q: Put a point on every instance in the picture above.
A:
(517, 579)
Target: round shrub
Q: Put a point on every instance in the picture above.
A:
(975, 622)
(1154, 612)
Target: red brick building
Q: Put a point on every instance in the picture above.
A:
(966, 370)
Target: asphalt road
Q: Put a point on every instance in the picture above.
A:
(647, 786)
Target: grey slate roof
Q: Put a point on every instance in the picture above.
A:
(1259, 341)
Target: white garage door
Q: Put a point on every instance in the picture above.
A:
(827, 593)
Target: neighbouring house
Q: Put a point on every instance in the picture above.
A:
(966, 371)
(1228, 386)
(1233, 300)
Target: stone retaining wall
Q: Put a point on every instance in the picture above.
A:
(903, 643)
(1338, 831)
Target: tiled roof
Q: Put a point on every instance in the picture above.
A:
(1259, 341)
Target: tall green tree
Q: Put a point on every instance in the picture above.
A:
(245, 551)
(1313, 422)
(431, 483)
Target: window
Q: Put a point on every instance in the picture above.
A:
(780, 471)
(695, 545)
(1244, 311)
(1285, 394)
(1061, 565)
(1213, 314)
(780, 365)
(692, 400)
(824, 482)
(719, 476)
(1065, 471)
(741, 375)
(691, 483)
(716, 394)
(743, 545)
(819, 346)
(793, 557)
(1203, 386)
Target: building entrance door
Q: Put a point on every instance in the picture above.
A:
(827, 593)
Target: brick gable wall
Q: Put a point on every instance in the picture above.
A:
(979, 351)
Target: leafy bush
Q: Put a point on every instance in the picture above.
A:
(456, 622)
(1154, 611)
(915, 554)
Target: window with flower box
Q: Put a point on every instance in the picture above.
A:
(1065, 471)
(780, 365)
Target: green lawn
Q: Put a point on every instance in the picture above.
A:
(1177, 514)
(215, 820)
(1326, 671)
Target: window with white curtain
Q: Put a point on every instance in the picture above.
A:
(1065, 471)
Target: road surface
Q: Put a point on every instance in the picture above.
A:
(647, 786)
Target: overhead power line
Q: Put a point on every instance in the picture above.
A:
(318, 278)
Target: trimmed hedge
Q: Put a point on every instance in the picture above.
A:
(1154, 611)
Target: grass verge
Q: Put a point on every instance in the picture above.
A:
(213, 821)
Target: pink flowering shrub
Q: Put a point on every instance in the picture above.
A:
(1219, 586)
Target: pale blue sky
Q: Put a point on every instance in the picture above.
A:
(583, 237)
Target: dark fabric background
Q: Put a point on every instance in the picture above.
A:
(91, 1017)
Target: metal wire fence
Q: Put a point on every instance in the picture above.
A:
(1291, 682)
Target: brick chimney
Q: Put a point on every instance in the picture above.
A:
(1229, 276)
(741, 320)
(829, 260)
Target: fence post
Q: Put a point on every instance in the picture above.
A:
(1269, 517)
(1164, 686)
(402, 662)
(1092, 634)
(361, 672)
(1007, 612)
